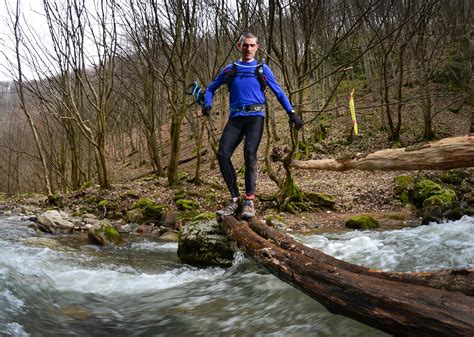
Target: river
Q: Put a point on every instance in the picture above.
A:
(59, 286)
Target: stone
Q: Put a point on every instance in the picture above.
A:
(51, 221)
(104, 233)
(432, 214)
(204, 244)
(276, 221)
(169, 236)
(128, 228)
(169, 219)
(145, 228)
(362, 222)
(135, 215)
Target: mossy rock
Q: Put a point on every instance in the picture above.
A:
(469, 211)
(362, 222)
(432, 214)
(104, 233)
(54, 200)
(321, 199)
(186, 204)
(151, 210)
(424, 189)
(276, 221)
(445, 198)
(402, 184)
(204, 244)
(455, 213)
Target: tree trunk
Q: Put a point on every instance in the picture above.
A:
(453, 280)
(398, 308)
(445, 154)
(175, 131)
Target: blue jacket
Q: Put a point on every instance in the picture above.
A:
(245, 89)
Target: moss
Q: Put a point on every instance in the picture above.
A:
(132, 194)
(103, 203)
(149, 207)
(183, 176)
(54, 200)
(204, 216)
(270, 217)
(181, 194)
(112, 234)
(86, 185)
(362, 222)
(402, 184)
(424, 189)
(186, 204)
(445, 197)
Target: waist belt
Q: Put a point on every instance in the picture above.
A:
(249, 108)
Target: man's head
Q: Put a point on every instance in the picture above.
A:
(248, 46)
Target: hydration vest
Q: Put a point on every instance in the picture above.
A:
(230, 74)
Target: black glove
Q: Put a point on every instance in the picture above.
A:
(294, 119)
(206, 111)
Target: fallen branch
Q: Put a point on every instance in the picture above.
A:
(461, 280)
(395, 307)
(445, 154)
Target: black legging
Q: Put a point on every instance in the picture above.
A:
(237, 128)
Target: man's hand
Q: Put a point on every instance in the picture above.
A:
(294, 119)
(206, 111)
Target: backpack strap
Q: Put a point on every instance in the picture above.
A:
(260, 74)
(231, 72)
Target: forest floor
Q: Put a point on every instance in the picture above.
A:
(355, 192)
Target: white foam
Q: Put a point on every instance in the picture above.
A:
(107, 282)
(14, 304)
(155, 246)
(15, 330)
(437, 246)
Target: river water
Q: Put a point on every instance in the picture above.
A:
(57, 286)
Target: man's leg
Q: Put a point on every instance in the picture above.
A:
(253, 135)
(230, 139)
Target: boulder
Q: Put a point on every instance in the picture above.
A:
(204, 244)
(362, 222)
(104, 233)
(51, 221)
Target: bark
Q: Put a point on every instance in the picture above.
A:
(398, 308)
(448, 153)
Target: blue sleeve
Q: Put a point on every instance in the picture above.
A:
(275, 87)
(218, 81)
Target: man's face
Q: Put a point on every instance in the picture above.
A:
(248, 48)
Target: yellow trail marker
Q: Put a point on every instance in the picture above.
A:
(353, 113)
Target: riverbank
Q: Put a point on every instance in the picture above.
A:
(355, 192)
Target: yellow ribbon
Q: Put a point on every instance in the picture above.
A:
(353, 113)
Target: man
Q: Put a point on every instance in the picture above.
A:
(246, 80)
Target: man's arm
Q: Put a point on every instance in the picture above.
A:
(218, 81)
(282, 98)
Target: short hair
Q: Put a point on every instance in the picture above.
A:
(247, 35)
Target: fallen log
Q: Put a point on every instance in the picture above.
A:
(461, 280)
(395, 307)
(445, 154)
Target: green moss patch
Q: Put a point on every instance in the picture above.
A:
(362, 222)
